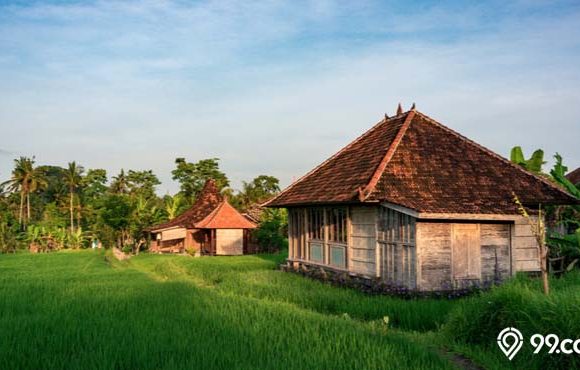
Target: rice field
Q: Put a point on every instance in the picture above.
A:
(86, 310)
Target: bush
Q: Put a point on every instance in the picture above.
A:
(522, 305)
(271, 234)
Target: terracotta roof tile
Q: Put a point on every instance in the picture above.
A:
(339, 178)
(208, 199)
(224, 216)
(574, 176)
(422, 165)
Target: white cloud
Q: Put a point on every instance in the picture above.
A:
(274, 87)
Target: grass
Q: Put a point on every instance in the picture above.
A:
(78, 310)
(86, 310)
(519, 304)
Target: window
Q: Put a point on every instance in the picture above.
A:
(316, 224)
(337, 225)
(327, 235)
(397, 237)
(338, 256)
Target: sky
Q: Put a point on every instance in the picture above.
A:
(276, 87)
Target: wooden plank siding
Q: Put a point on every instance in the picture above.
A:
(495, 251)
(525, 247)
(456, 254)
(363, 241)
(434, 255)
(419, 254)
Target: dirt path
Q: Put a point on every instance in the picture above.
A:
(460, 361)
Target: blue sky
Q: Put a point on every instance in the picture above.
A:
(274, 87)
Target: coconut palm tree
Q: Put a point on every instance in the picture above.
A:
(73, 178)
(120, 183)
(36, 181)
(18, 183)
(25, 180)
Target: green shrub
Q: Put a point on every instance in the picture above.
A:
(521, 304)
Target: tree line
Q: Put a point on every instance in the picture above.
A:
(48, 207)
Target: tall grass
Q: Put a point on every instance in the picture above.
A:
(257, 277)
(79, 310)
(475, 323)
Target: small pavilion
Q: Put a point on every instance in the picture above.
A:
(211, 226)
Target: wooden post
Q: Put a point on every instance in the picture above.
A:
(291, 234)
(305, 247)
(326, 258)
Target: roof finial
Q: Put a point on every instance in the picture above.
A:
(413, 106)
(386, 116)
(399, 109)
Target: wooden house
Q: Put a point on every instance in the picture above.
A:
(210, 227)
(413, 203)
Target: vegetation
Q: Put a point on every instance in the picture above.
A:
(170, 312)
(534, 164)
(563, 222)
(474, 323)
(240, 312)
(48, 208)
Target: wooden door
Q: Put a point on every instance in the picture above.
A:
(466, 251)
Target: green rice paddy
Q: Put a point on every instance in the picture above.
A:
(84, 310)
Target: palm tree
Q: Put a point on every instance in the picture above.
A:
(73, 178)
(120, 183)
(25, 180)
(18, 181)
(36, 181)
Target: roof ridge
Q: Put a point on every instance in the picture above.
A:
(359, 138)
(364, 193)
(490, 152)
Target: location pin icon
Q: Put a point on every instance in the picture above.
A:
(510, 341)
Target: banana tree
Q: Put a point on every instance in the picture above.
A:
(76, 238)
(33, 236)
(566, 245)
(534, 164)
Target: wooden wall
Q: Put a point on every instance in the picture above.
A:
(297, 243)
(229, 242)
(439, 269)
(363, 257)
(525, 247)
(495, 251)
(433, 255)
(172, 234)
(444, 254)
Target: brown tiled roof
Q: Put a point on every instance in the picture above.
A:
(208, 199)
(338, 178)
(224, 216)
(574, 176)
(254, 213)
(415, 162)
